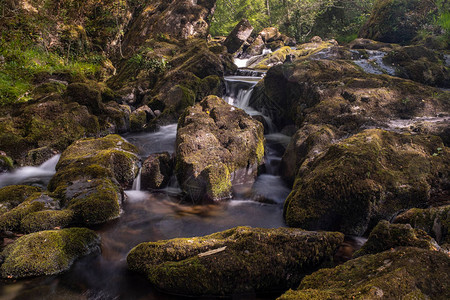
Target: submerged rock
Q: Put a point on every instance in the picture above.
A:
(217, 145)
(403, 273)
(235, 261)
(434, 220)
(386, 236)
(365, 178)
(47, 252)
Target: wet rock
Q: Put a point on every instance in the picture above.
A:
(180, 19)
(6, 163)
(255, 48)
(12, 219)
(397, 21)
(214, 141)
(238, 36)
(47, 252)
(434, 220)
(38, 156)
(270, 34)
(87, 95)
(140, 117)
(90, 176)
(365, 178)
(235, 261)
(398, 274)
(314, 90)
(367, 44)
(306, 144)
(11, 196)
(157, 170)
(420, 64)
(386, 236)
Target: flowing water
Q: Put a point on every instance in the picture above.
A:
(156, 216)
(374, 64)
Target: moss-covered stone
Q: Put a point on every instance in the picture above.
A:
(47, 252)
(46, 220)
(386, 236)
(397, 21)
(11, 196)
(87, 95)
(420, 64)
(365, 178)
(214, 140)
(6, 163)
(108, 155)
(341, 94)
(245, 260)
(434, 220)
(403, 273)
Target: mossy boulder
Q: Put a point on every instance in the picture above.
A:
(341, 94)
(38, 156)
(87, 95)
(90, 176)
(113, 153)
(397, 21)
(11, 196)
(386, 236)
(47, 252)
(235, 261)
(306, 143)
(6, 163)
(156, 171)
(12, 219)
(46, 220)
(214, 140)
(420, 64)
(434, 220)
(365, 178)
(403, 273)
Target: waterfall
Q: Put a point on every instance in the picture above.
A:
(137, 182)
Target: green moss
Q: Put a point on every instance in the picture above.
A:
(364, 178)
(13, 195)
(248, 260)
(10, 221)
(6, 163)
(46, 220)
(218, 180)
(98, 204)
(47, 252)
(397, 274)
(386, 236)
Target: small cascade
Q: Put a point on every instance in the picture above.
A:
(38, 176)
(137, 181)
(374, 64)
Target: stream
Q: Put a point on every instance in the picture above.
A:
(157, 216)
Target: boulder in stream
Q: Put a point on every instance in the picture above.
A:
(401, 273)
(157, 170)
(367, 177)
(217, 145)
(235, 261)
(238, 36)
(47, 252)
(90, 176)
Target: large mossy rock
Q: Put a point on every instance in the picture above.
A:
(365, 178)
(180, 19)
(386, 236)
(434, 220)
(90, 177)
(397, 21)
(215, 142)
(47, 252)
(403, 273)
(341, 94)
(420, 64)
(235, 261)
